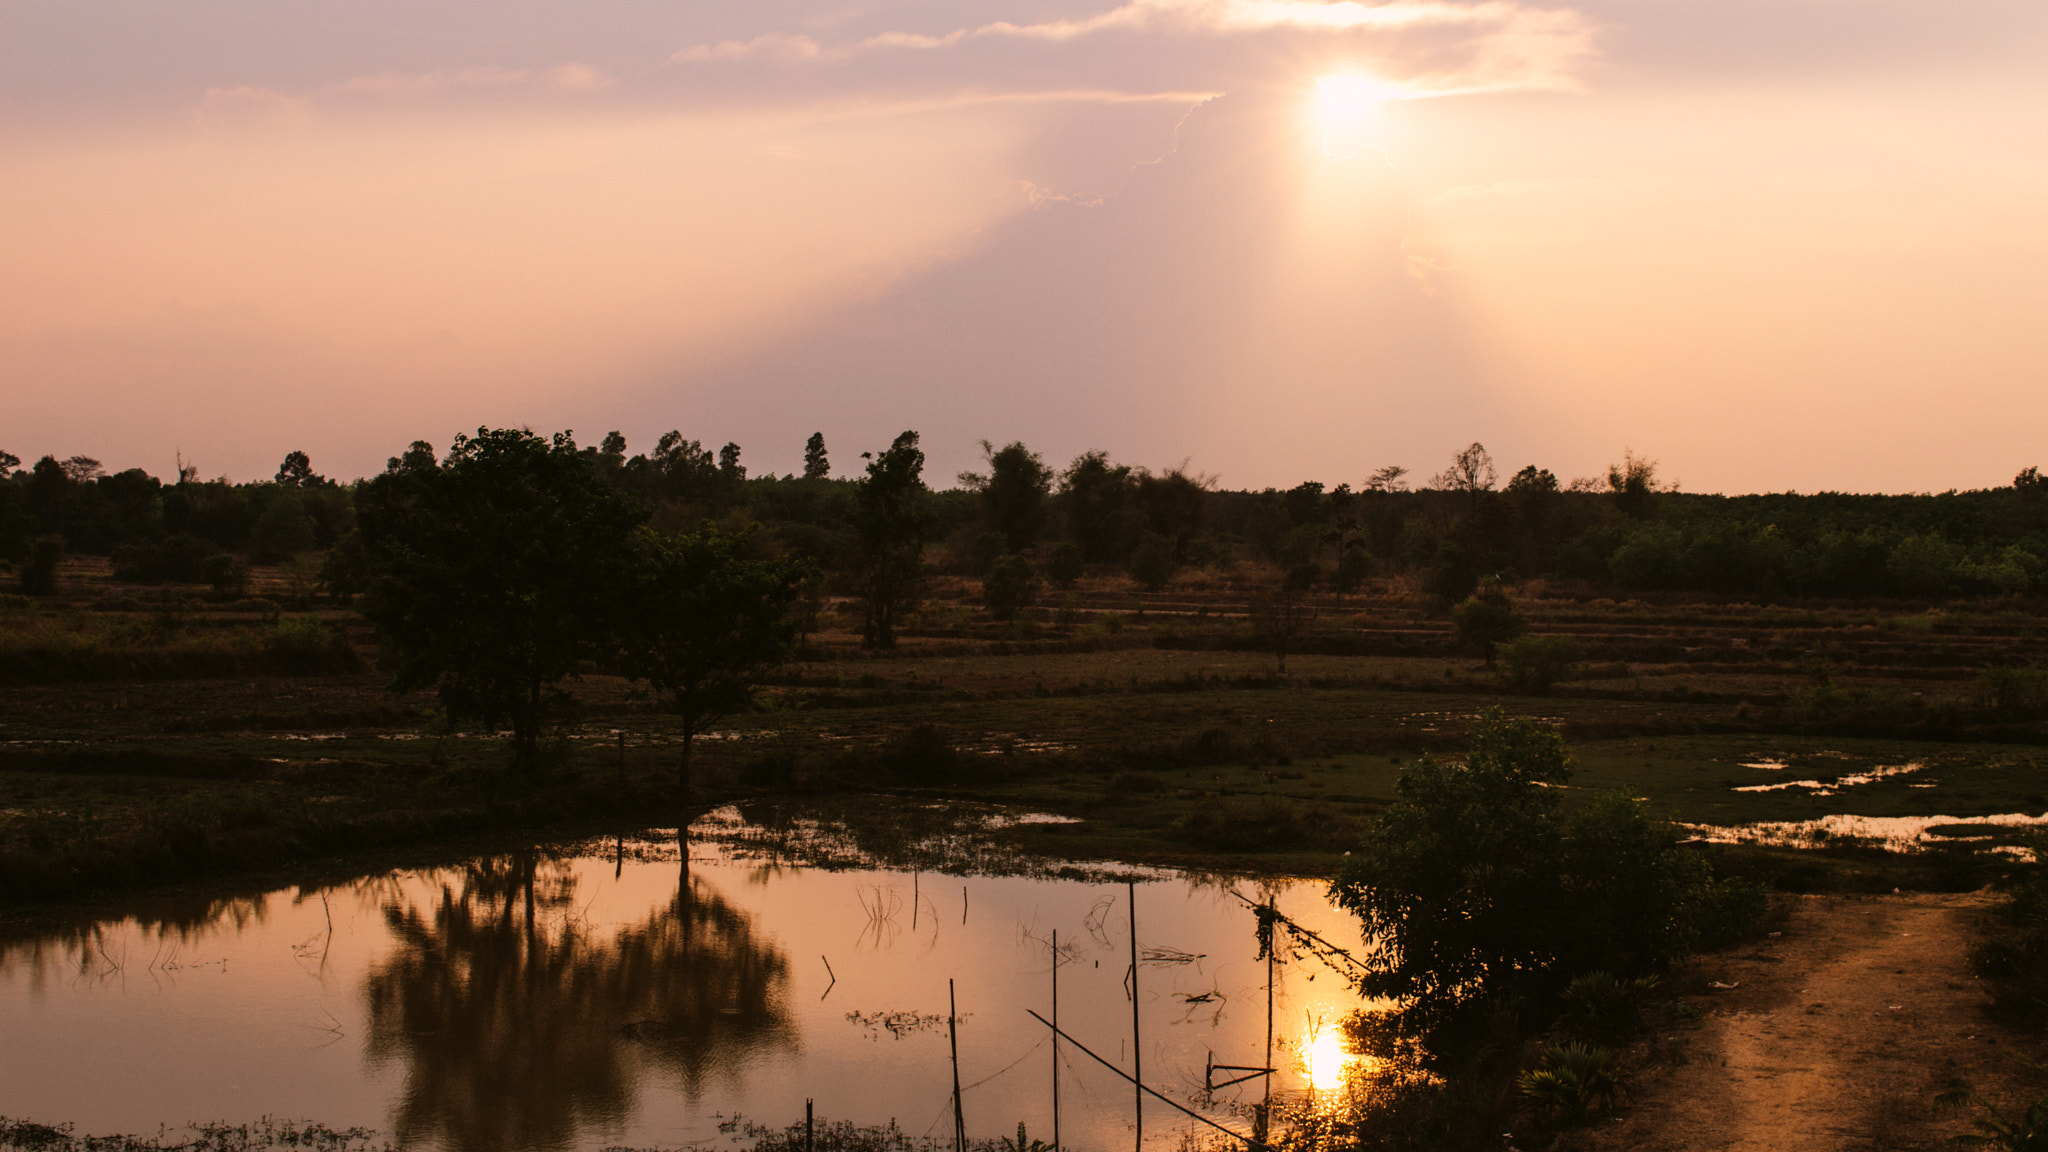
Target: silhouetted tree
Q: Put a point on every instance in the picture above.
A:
(1013, 493)
(1097, 496)
(1175, 505)
(493, 573)
(297, 471)
(816, 466)
(1471, 472)
(1387, 479)
(729, 469)
(891, 522)
(704, 623)
(1634, 484)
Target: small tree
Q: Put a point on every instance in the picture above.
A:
(1281, 615)
(1487, 620)
(816, 465)
(891, 523)
(1634, 484)
(704, 623)
(494, 573)
(1010, 588)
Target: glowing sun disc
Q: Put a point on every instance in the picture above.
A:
(1347, 99)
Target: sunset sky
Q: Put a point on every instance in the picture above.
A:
(1795, 244)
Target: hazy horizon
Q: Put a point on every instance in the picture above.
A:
(1789, 246)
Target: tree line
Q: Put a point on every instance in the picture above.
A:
(1020, 523)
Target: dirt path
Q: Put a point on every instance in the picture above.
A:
(1838, 1033)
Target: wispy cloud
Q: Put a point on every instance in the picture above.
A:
(1434, 46)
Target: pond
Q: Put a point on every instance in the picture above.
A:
(626, 993)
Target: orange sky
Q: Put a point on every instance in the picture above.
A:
(1796, 244)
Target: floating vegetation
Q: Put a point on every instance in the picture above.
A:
(898, 1024)
(261, 1136)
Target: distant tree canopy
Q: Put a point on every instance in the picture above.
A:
(1623, 531)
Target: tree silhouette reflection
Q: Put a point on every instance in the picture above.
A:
(520, 1026)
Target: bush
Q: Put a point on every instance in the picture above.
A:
(1264, 824)
(2014, 961)
(2014, 692)
(304, 644)
(1473, 887)
(1486, 621)
(1063, 565)
(39, 570)
(1537, 662)
(1010, 588)
(176, 559)
(1354, 568)
(226, 573)
(923, 755)
(1571, 1079)
(1152, 564)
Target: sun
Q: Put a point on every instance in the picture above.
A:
(1347, 98)
(1348, 105)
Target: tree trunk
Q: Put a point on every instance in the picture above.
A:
(683, 764)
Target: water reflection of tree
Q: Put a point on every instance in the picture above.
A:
(518, 1025)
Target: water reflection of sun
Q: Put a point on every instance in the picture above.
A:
(1325, 1058)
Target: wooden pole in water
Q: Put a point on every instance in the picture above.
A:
(1137, 1042)
(953, 1031)
(1055, 1040)
(1272, 953)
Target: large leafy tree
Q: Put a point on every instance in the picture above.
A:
(1014, 493)
(493, 572)
(892, 520)
(704, 622)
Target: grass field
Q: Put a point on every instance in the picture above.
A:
(150, 734)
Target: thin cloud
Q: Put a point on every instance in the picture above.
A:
(1435, 47)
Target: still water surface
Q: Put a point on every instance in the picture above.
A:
(624, 994)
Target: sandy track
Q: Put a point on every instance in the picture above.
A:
(1840, 1031)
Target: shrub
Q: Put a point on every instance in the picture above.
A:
(1152, 564)
(1264, 824)
(39, 570)
(2016, 692)
(1537, 662)
(1473, 887)
(226, 573)
(1487, 620)
(1571, 1079)
(1010, 588)
(1354, 568)
(175, 559)
(924, 755)
(1063, 565)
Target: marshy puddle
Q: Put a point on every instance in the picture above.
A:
(619, 993)
(1893, 833)
(1830, 787)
